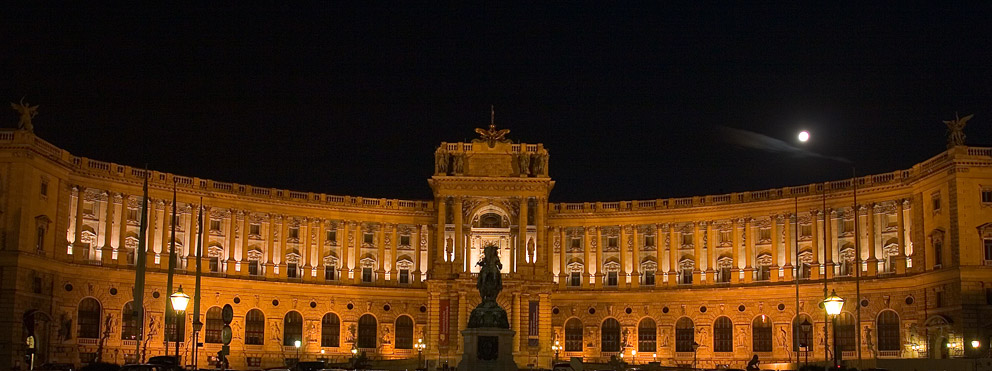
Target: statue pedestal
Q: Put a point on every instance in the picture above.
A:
(487, 349)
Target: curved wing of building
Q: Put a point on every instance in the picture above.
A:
(710, 280)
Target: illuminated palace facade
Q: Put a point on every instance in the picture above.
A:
(705, 277)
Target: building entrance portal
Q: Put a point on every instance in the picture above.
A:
(491, 225)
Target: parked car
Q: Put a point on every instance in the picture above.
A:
(100, 366)
(151, 367)
(56, 367)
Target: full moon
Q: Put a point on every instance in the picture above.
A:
(803, 136)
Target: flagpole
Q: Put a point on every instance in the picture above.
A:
(196, 293)
(139, 271)
(172, 271)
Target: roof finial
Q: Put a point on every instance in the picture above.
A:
(955, 132)
(492, 135)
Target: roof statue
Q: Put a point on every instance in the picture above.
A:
(27, 112)
(488, 313)
(492, 135)
(955, 132)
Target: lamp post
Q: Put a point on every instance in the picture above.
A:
(806, 329)
(833, 305)
(695, 346)
(420, 351)
(633, 356)
(556, 348)
(179, 302)
(297, 344)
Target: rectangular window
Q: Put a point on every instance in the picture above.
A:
(36, 285)
(367, 238)
(611, 278)
(40, 245)
(575, 279)
(366, 275)
(804, 273)
(765, 234)
(725, 237)
(935, 198)
(88, 207)
(332, 235)
(687, 239)
(848, 226)
(132, 214)
(44, 187)
(763, 273)
(988, 296)
(987, 195)
(938, 299)
(988, 249)
(648, 240)
(613, 241)
(723, 275)
(649, 278)
(214, 264)
(404, 276)
(255, 229)
(806, 230)
(253, 268)
(687, 276)
(404, 240)
(329, 271)
(294, 232)
(291, 270)
(254, 361)
(938, 254)
(576, 243)
(215, 225)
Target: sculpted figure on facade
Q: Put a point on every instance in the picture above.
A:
(955, 130)
(441, 160)
(26, 112)
(459, 164)
(523, 160)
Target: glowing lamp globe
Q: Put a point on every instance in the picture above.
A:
(179, 300)
(833, 303)
(803, 136)
(975, 344)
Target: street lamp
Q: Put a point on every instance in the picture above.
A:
(179, 302)
(833, 305)
(633, 356)
(297, 344)
(695, 346)
(420, 351)
(557, 348)
(806, 329)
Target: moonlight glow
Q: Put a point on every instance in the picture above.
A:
(803, 136)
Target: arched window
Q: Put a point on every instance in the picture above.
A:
(610, 335)
(292, 329)
(213, 326)
(129, 322)
(89, 319)
(723, 335)
(647, 336)
(573, 335)
(404, 332)
(685, 335)
(802, 337)
(761, 334)
(888, 330)
(846, 330)
(367, 331)
(330, 331)
(254, 327)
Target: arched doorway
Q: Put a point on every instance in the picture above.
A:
(491, 224)
(367, 332)
(39, 325)
(610, 332)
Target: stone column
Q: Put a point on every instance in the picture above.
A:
(245, 232)
(710, 253)
(415, 240)
(542, 248)
(107, 250)
(787, 228)
(392, 253)
(748, 250)
(284, 244)
(775, 242)
(522, 234)
(586, 255)
(122, 233)
(304, 245)
(356, 268)
(515, 322)
(673, 255)
(459, 236)
(77, 242)
(735, 269)
(544, 326)
(441, 222)
(166, 239)
(635, 260)
(697, 250)
(900, 260)
(872, 259)
(380, 272)
(814, 266)
(462, 322)
(319, 252)
(270, 245)
(563, 247)
(150, 235)
(344, 228)
(622, 249)
(828, 248)
(598, 245)
(232, 241)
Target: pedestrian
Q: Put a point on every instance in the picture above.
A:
(753, 364)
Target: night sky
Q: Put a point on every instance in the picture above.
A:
(633, 100)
